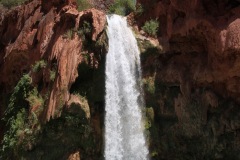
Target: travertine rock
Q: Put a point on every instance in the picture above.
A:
(45, 30)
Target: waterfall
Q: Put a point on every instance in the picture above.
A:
(124, 137)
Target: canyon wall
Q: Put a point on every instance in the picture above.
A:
(192, 79)
(45, 47)
(52, 61)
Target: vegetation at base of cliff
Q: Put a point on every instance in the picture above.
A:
(122, 7)
(61, 136)
(83, 4)
(11, 3)
(151, 27)
(17, 99)
(27, 138)
(22, 126)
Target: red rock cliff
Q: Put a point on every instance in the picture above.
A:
(45, 30)
(192, 85)
(201, 32)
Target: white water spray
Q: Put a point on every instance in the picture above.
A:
(124, 137)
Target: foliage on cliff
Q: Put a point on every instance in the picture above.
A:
(151, 27)
(22, 125)
(122, 7)
(11, 3)
(83, 4)
(27, 137)
(43, 44)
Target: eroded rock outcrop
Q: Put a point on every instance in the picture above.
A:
(50, 42)
(45, 30)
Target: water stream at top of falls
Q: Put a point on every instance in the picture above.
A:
(124, 126)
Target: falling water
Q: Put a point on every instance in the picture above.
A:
(124, 137)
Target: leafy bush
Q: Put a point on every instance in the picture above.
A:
(21, 126)
(14, 115)
(18, 96)
(39, 65)
(151, 27)
(11, 3)
(122, 7)
(86, 28)
(139, 9)
(21, 135)
(17, 125)
(83, 4)
(52, 75)
(35, 100)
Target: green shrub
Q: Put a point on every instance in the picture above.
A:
(35, 100)
(20, 93)
(151, 27)
(149, 84)
(139, 10)
(52, 75)
(19, 135)
(150, 113)
(16, 127)
(83, 4)
(122, 7)
(11, 3)
(86, 28)
(39, 65)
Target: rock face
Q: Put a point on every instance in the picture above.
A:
(46, 39)
(75, 156)
(206, 29)
(45, 30)
(191, 74)
(194, 79)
